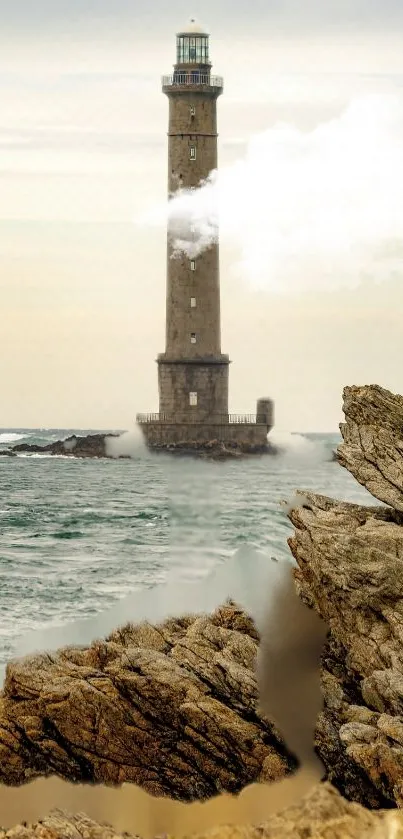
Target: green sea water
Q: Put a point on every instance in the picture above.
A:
(77, 535)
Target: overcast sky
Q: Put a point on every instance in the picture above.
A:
(83, 152)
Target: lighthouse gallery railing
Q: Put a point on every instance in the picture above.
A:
(192, 78)
(216, 419)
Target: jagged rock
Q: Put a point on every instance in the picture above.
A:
(373, 441)
(350, 562)
(92, 445)
(61, 825)
(171, 708)
(323, 814)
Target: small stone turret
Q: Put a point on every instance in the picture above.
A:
(265, 412)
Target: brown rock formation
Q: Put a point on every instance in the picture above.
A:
(373, 441)
(350, 562)
(92, 445)
(171, 708)
(95, 445)
(61, 825)
(214, 449)
(323, 814)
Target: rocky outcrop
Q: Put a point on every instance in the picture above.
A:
(92, 445)
(215, 449)
(373, 441)
(350, 569)
(171, 708)
(96, 445)
(323, 814)
(62, 825)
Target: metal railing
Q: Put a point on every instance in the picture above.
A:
(242, 418)
(192, 78)
(215, 419)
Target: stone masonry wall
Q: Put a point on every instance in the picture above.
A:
(177, 381)
(165, 434)
(201, 319)
(192, 330)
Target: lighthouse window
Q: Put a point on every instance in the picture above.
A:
(193, 398)
(193, 152)
(190, 49)
(192, 302)
(193, 337)
(192, 111)
(193, 264)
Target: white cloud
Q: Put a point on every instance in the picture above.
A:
(318, 209)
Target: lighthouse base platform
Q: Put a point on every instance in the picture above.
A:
(208, 439)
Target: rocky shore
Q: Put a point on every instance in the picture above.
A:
(216, 449)
(173, 708)
(96, 446)
(91, 445)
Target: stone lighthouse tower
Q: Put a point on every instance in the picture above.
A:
(193, 372)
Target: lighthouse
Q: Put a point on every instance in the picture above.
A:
(193, 371)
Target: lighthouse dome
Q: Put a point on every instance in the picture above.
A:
(193, 27)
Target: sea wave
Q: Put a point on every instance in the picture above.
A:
(45, 456)
(10, 437)
(306, 450)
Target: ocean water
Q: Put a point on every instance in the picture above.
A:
(78, 535)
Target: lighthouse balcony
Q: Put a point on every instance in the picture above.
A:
(192, 79)
(245, 431)
(232, 419)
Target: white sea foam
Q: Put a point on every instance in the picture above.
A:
(264, 587)
(128, 444)
(45, 456)
(10, 437)
(319, 209)
(247, 577)
(298, 448)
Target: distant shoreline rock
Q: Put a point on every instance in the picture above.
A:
(216, 449)
(95, 446)
(91, 445)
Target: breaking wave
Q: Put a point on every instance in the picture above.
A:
(10, 437)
